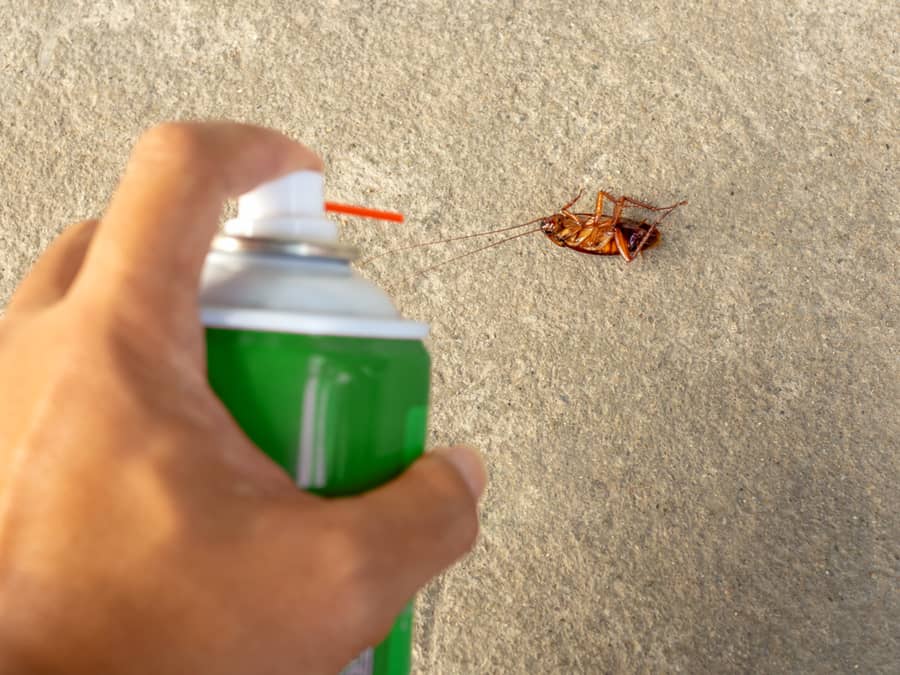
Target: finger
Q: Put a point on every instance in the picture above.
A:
(53, 273)
(417, 525)
(155, 235)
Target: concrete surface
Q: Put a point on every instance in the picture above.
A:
(694, 458)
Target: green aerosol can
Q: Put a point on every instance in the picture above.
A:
(314, 362)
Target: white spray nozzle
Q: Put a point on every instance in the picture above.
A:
(291, 207)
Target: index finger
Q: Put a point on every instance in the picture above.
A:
(153, 239)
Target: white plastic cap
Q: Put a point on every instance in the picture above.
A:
(291, 207)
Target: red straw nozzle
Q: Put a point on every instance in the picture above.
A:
(350, 210)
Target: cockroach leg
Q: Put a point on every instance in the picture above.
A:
(571, 216)
(622, 244)
(643, 205)
(617, 211)
(640, 246)
(575, 199)
(650, 230)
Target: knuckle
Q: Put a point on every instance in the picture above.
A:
(459, 510)
(348, 558)
(346, 549)
(181, 142)
(82, 228)
(355, 602)
(465, 528)
(342, 543)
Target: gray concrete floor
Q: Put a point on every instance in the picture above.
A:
(694, 458)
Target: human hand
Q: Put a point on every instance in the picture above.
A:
(140, 530)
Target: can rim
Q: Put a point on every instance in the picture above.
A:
(300, 323)
(288, 248)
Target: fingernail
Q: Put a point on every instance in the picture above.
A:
(470, 466)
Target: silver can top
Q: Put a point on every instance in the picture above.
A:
(278, 266)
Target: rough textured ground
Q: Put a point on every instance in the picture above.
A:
(694, 458)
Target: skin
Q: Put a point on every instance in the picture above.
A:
(140, 530)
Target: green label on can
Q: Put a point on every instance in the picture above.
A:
(342, 415)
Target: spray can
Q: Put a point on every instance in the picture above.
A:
(314, 362)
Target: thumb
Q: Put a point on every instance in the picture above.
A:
(419, 523)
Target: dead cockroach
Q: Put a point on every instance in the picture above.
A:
(594, 233)
(599, 234)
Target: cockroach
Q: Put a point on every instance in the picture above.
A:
(599, 234)
(594, 233)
